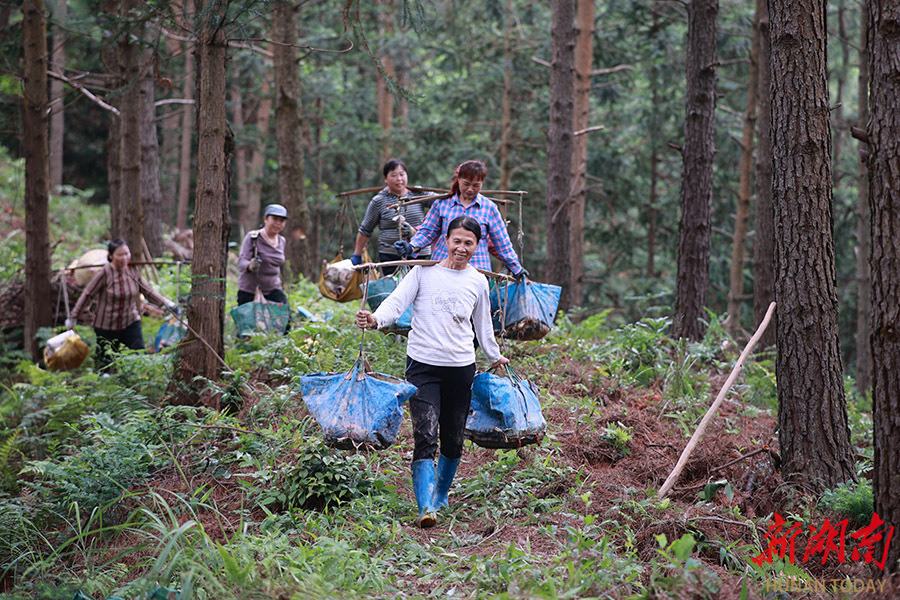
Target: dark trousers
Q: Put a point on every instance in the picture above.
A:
(442, 400)
(382, 257)
(114, 339)
(273, 296)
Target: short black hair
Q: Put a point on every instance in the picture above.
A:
(393, 164)
(113, 246)
(465, 222)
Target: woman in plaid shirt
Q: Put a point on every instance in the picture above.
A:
(466, 199)
(118, 286)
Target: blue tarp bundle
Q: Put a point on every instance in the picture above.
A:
(505, 412)
(524, 310)
(379, 290)
(356, 408)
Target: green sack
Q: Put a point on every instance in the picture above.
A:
(261, 316)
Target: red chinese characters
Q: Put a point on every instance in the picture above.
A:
(828, 541)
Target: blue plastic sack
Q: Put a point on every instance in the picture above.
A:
(505, 412)
(170, 333)
(524, 310)
(356, 408)
(379, 290)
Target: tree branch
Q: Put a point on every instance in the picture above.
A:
(609, 70)
(84, 91)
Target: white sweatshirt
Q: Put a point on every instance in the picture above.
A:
(445, 304)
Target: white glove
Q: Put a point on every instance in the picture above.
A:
(173, 308)
(71, 323)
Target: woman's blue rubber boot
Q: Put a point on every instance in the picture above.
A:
(423, 486)
(446, 471)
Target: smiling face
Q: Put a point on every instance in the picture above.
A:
(469, 188)
(461, 244)
(120, 257)
(274, 225)
(396, 181)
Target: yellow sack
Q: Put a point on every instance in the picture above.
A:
(65, 351)
(339, 284)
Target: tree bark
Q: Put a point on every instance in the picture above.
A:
(212, 221)
(291, 171)
(814, 436)
(151, 195)
(57, 98)
(384, 97)
(506, 101)
(38, 309)
(241, 166)
(764, 226)
(696, 172)
(110, 57)
(745, 191)
(560, 147)
(884, 201)
(131, 225)
(584, 54)
(262, 118)
(187, 130)
(863, 281)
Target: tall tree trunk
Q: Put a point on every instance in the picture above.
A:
(110, 57)
(241, 167)
(584, 54)
(560, 147)
(884, 194)
(291, 171)
(745, 190)
(131, 226)
(187, 130)
(863, 281)
(38, 308)
(812, 414)
(506, 100)
(57, 97)
(653, 196)
(212, 221)
(151, 195)
(171, 135)
(262, 119)
(764, 238)
(696, 171)
(384, 97)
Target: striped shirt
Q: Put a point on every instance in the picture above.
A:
(118, 292)
(433, 230)
(446, 303)
(378, 214)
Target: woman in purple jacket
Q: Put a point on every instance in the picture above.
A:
(261, 258)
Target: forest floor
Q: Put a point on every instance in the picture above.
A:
(724, 502)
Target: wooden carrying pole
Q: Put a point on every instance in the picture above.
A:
(695, 439)
(425, 263)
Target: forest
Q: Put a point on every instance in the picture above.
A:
(713, 185)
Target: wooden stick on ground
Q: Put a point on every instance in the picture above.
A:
(695, 439)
